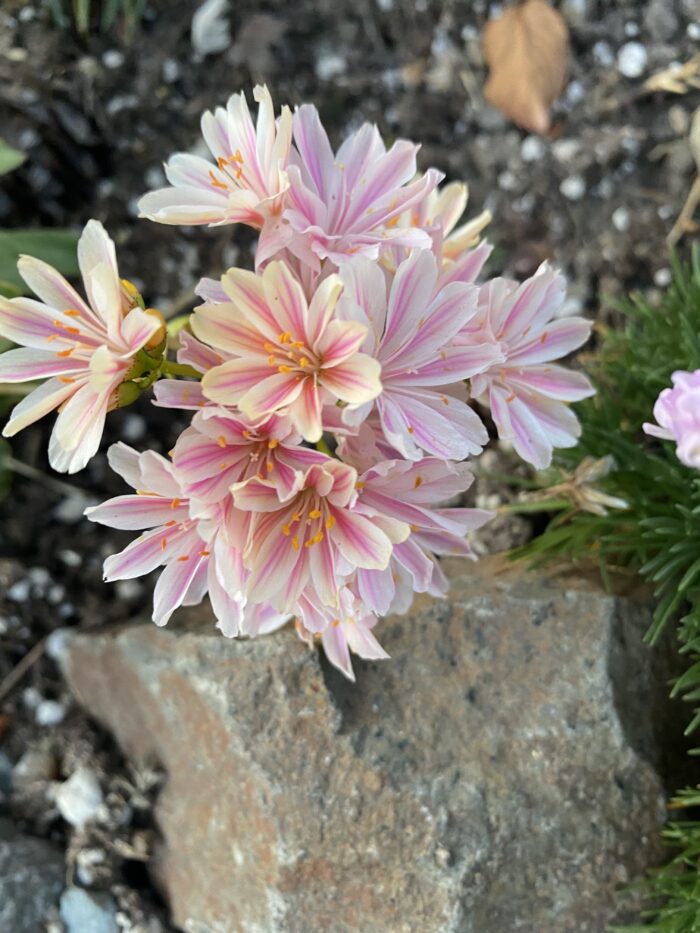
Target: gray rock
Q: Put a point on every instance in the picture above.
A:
(86, 912)
(31, 880)
(499, 773)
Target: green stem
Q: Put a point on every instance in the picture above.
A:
(323, 448)
(179, 369)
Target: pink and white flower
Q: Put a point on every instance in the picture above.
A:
(411, 324)
(409, 492)
(298, 543)
(286, 353)
(677, 412)
(221, 448)
(349, 202)
(344, 629)
(83, 349)
(247, 181)
(438, 214)
(188, 541)
(527, 394)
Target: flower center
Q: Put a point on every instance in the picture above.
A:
(291, 356)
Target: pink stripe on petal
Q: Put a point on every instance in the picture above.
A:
(270, 394)
(356, 380)
(136, 512)
(37, 404)
(360, 541)
(25, 365)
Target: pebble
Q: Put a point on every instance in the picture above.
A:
(621, 219)
(79, 799)
(113, 58)
(171, 70)
(70, 510)
(693, 31)
(134, 427)
(632, 60)
(663, 277)
(50, 713)
(532, 149)
(564, 150)
(330, 65)
(86, 912)
(36, 764)
(19, 591)
(57, 643)
(603, 54)
(573, 187)
(70, 558)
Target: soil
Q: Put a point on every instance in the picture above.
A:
(97, 117)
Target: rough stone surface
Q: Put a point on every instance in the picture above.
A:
(500, 773)
(31, 880)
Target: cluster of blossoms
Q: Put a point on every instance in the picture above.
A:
(677, 412)
(332, 388)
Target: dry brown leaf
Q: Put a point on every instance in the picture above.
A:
(527, 50)
(678, 79)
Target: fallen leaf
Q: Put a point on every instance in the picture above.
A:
(526, 49)
(678, 79)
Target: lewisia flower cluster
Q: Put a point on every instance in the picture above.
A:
(332, 388)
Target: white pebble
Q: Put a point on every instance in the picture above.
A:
(621, 219)
(662, 277)
(134, 427)
(693, 31)
(564, 150)
(19, 591)
(507, 181)
(79, 799)
(31, 697)
(330, 66)
(113, 58)
(532, 149)
(50, 713)
(70, 558)
(57, 643)
(573, 187)
(632, 59)
(603, 54)
(171, 70)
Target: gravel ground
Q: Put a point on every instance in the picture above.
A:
(97, 118)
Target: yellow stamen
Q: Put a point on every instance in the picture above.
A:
(315, 513)
(286, 530)
(418, 482)
(284, 337)
(72, 312)
(66, 379)
(272, 443)
(184, 557)
(295, 543)
(284, 369)
(221, 440)
(175, 503)
(330, 522)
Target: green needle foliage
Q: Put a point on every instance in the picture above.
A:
(85, 15)
(658, 535)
